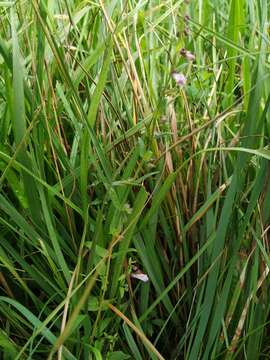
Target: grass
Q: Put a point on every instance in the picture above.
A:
(110, 170)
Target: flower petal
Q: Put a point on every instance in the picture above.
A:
(140, 276)
(179, 78)
(189, 56)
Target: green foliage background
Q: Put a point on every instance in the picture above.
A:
(109, 168)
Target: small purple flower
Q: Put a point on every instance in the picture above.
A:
(141, 276)
(190, 56)
(187, 54)
(179, 78)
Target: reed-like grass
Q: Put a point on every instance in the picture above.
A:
(113, 166)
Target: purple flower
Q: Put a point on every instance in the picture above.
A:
(190, 56)
(141, 276)
(179, 78)
(187, 54)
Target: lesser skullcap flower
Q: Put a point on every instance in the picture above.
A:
(187, 54)
(179, 78)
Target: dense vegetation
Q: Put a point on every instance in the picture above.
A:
(134, 174)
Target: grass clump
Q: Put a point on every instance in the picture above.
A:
(134, 174)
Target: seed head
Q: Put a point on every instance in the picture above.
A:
(183, 52)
